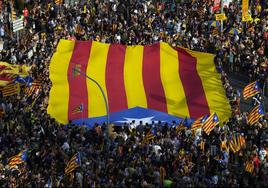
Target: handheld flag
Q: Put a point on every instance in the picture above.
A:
(249, 167)
(76, 70)
(11, 89)
(255, 115)
(181, 126)
(234, 31)
(215, 31)
(202, 145)
(18, 159)
(74, 162)
(214, 23)
(34, 88)
(210, 123)
(237, 143)
(149, 136)
(198, 123)
(251, 90)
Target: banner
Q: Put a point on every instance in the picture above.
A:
(176, 81)
(220, 17)
(244, 8)
(247, 18)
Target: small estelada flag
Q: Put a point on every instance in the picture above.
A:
(251, 90)
(76, 70)
(78, 109)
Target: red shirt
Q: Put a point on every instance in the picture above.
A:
(256, 162)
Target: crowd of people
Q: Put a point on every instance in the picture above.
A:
(173, 158)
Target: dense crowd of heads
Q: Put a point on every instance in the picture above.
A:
(126, 160)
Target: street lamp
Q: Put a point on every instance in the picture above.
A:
(103, 95)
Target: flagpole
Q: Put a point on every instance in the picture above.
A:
(104, 97)
(221, 13)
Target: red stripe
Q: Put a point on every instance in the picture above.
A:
(115, 78)
(192, 84)
(153, 87)
(6, 77)
(78, 84)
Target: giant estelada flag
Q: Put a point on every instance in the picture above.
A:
(177, 81)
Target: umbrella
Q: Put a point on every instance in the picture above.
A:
(234, 31)
(214, 23)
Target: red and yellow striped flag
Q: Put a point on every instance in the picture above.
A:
(237, 143)
(18, 159)
(11, 89)
(251, 90)
(74, 162)
(198, 123)
(210, 123)
(202, 145)
(33, 89)
(255, 114)
(177, 81)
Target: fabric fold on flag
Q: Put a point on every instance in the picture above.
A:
(152, 76)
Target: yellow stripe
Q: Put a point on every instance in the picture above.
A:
(212, 85)
(96, 69)
(174, 92)
(59, 93)
(133, 77)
